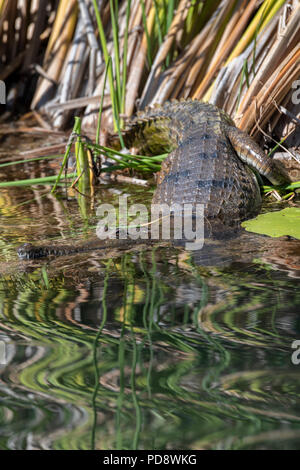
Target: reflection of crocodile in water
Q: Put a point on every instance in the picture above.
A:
(208, 164)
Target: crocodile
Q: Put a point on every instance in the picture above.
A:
(210, 162)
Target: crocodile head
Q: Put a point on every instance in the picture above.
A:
(24, 251)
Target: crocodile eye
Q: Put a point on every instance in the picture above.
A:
(23, 250)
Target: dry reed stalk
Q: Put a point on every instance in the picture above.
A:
(9, 69)
(40, 151)
(226, 92)
(11, 28)
(3, 3)
(58, 45)
(137, 65)
(285, 41)
(4, 17)
(75, 65)
(95, 56)
(273, 92)
(255, 27)
(284, 124)
(91, 113)
(156, 69)
(271, 64)
(24, 21)
(176, 73)
(135, 32)
(231, 34)
(215, 53)
(203, 57)
(128, 180)
(34, 45)
(172, 80)
(75, 103)
(39, 118)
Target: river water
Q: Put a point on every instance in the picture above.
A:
(151, 347)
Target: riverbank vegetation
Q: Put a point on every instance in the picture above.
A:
(62, 59)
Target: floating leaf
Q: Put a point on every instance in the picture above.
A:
(276, 224)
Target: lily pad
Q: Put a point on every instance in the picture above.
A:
(276, 224)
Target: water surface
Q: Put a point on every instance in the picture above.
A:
(150, 347)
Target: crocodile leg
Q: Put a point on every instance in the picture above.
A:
(251, 154)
